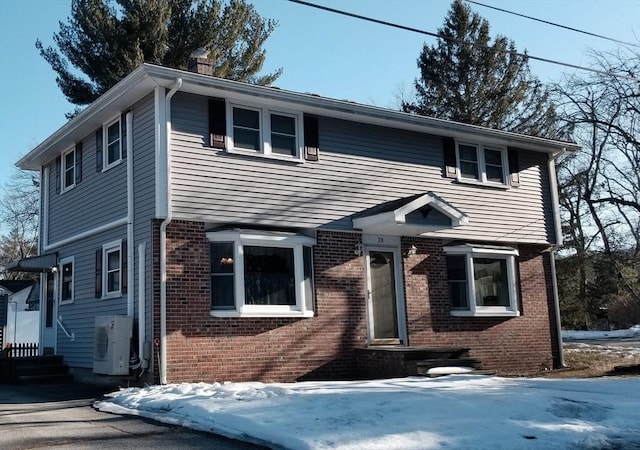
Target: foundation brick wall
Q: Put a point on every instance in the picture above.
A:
(210, 349)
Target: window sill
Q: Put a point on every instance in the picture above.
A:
(108, 167)
(504, 187)
(270, 157)
(485, 313)
(112, 295)
(228, 313)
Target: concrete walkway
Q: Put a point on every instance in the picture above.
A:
(61, 416)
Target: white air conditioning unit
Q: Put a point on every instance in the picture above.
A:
(111, 345)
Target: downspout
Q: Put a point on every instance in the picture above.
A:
(163, 239)
(142, 306)
(553, 182)
(130, 255)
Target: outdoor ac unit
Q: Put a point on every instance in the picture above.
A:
(111, 345)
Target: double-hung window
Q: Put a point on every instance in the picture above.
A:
(112, 144)
(66, 280)
(68, 174)
(482, 280)
(261, 274)
(482, 164)
(112, 269)
(262, 131)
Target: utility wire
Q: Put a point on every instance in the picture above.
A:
(460, 41)
(588, 33)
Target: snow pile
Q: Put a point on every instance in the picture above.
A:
(633, 332)
(455, 412)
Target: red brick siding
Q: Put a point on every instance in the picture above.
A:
(205, 348)
(509, 345)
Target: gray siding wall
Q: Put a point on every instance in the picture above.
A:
(360, 166)
(100, 198)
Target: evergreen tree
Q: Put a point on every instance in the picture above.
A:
(467, 79)
(104, 40)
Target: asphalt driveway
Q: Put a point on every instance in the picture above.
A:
(61, 416)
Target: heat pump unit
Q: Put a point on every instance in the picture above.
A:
(111, 345)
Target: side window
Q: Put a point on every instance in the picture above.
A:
(68, 173)
(111, 273)
(112, 144)
(482, 164)
(66, 281)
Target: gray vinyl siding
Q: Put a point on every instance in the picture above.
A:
(360, 166)
(101, 198)
(79, 317)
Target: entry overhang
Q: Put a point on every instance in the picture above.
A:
(397, 218)
(40, 263)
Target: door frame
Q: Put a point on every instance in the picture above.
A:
(387, 244)
(48, 336)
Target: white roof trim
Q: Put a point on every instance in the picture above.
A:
(394, 222)
(143, 80)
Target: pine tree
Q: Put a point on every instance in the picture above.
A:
(467, 79)
(104, 40)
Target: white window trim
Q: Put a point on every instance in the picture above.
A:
(470, 252)
(280, 240)
(63, 170)
(482, 168)
(106, 249)
(265, 132)
(61, 264)
(105, 141)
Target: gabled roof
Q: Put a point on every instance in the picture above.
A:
(414, 215)
(144, 79)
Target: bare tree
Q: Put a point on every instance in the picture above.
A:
(19, 208)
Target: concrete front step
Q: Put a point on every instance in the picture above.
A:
(422, 367)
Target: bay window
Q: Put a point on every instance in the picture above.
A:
(261, 274)
(482, 280)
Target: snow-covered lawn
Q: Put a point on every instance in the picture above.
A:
(633, 332)
(452, 412)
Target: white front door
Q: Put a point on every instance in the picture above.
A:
(49, 311)
(385, 299)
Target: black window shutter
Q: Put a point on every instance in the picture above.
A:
(123, 135)
(449, 148)
(311, 138)
(99, 273)
(217, 122)
(123, 252)
(78, 162)
(58, 174)
(514, 167)
(99, 150)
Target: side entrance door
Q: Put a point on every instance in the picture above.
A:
(49, 314)
(385, 299)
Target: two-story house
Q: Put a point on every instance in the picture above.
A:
(253, 233)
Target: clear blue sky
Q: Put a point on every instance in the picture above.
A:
(320, 52)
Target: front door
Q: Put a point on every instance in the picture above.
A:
(48, 317)
(384, 295)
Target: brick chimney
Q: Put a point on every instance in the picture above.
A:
(200, 63)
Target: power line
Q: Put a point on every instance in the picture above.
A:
(460, 41)
(588, 33)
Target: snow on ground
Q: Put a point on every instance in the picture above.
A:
(633, 332)
(452, 412)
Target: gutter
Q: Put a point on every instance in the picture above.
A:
(162, 364)
(553, 183)
(130, 255)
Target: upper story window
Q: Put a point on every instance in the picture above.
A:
(482, 280)
(68, 173)
(482, 164)
(261, 275)
(66, 280)
(260, 130)
(112, 144)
